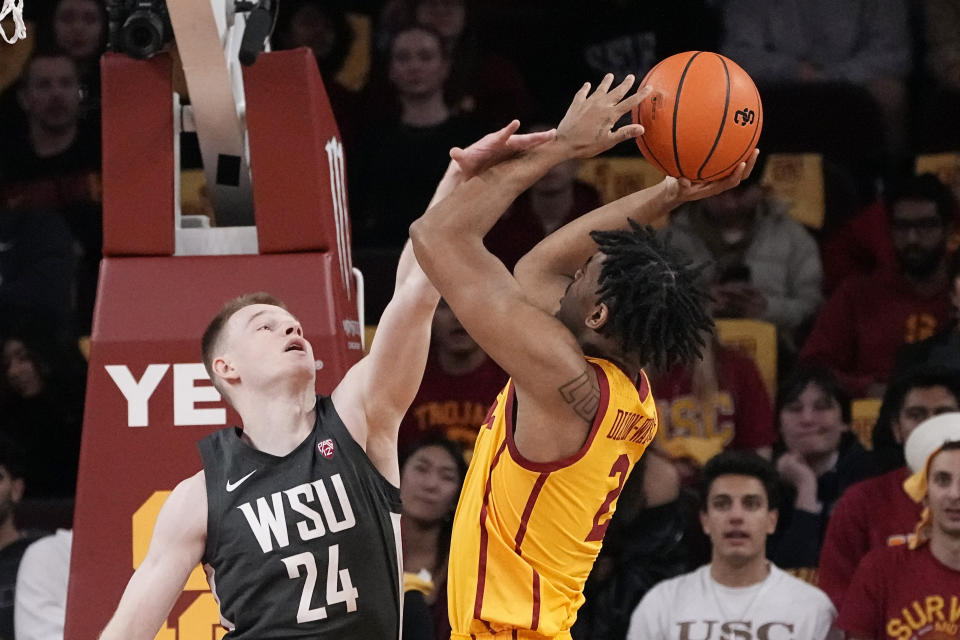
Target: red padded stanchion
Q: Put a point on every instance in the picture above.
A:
(138, 162)
(289, 151)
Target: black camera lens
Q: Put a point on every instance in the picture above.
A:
(142, 34)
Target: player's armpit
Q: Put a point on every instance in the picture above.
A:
(175, 549)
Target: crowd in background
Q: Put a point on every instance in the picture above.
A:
(864, 306)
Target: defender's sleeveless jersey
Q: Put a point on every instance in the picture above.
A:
(305, 545)
(526, 534)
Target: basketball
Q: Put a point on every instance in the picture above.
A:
(703, 117)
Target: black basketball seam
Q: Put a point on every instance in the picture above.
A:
(653, 156)
(643, 136)
(676, 108)
(749, 144)
(723, 120)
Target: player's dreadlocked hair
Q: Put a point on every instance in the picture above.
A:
(656, 299)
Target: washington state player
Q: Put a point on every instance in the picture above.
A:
(296, 516)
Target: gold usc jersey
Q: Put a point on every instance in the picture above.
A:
(526, 534)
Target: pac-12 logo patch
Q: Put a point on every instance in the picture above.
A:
(326, 448)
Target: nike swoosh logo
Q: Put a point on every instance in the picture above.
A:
(233, 485)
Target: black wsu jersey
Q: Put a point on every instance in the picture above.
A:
(303, 546)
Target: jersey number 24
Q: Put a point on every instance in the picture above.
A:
(339, 587)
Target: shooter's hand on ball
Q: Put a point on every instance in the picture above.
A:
(684, 190)
(587, 128)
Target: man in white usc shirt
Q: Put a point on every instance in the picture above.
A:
(740, 594)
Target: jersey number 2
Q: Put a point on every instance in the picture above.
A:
(621, 467)
(335, 578)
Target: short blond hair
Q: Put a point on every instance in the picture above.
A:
(210, 343)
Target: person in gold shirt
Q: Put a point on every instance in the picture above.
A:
(583, 313)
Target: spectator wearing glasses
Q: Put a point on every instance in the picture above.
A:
(866, 320)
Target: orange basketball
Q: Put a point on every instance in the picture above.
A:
(703, 117)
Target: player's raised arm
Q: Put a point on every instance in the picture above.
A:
(541, 354)
(175, 549)
(377, 391)
(549, 267)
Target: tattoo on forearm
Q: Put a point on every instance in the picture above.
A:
(583, 395)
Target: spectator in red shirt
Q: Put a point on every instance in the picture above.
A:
(715, 404)
(860, 328)
(859, 246)
(910, 591)
(878, 512)
(942, 348)
(459, 384)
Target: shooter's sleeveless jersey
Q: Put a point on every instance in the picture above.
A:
(526, 534)
(305, 545)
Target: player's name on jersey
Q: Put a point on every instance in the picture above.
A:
(631, 426)
(270, 517)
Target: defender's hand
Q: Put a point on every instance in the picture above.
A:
(496, 147)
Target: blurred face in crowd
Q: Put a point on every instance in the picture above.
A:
(919, 236)
(738, 518)
(446, 16)
(418, 65)
(311, 27)
(943, 492)
(735, 208)
(430, 484)
(11, 491)
(51, 93)
(78, 28)
(22, 374)
(812, 423)
(919, 404)
(449, 336)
